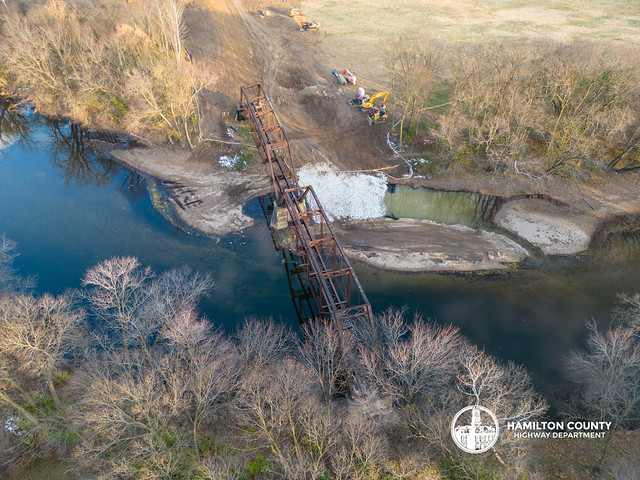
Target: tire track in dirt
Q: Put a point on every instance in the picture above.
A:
(271, 51)
(268, 41)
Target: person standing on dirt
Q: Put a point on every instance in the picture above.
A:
(360, 96)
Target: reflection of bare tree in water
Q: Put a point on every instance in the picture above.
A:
(14, 124)
(479, 208)
(133, 186)
(76, 154)
(626, 245)
(487, 207)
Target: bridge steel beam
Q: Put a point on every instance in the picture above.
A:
(333, 282)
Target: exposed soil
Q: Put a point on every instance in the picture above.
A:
(205, 195)
(244, 48)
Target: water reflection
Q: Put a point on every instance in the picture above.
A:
(134, 186)
(74, 154)
(14, 123)
(472, 209)
(623, 246)
(299, 286)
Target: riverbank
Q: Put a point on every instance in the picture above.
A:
(210, 199)
(207, 197)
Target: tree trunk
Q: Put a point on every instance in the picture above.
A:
(598, 467)
(52, 390)
(23, 413)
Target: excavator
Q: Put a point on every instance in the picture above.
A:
(377, 107)
(368, 103)
(304, 23)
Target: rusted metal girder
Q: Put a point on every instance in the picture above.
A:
(333, 283)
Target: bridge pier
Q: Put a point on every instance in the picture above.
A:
(280, 219)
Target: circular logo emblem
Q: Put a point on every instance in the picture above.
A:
(475, 429)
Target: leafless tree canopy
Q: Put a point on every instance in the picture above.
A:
(110, 64)
(552, 108)
(142, 386)
(608, 371)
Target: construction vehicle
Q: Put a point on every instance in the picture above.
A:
(377, 115)
(369, 103)
(374, 105)
(344, 77)
(340, 77)
(304, 23)
(350, 77)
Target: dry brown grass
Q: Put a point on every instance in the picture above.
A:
(357, 32)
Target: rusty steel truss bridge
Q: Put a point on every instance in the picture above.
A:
(324, 278)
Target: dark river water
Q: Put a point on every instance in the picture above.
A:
(68, 210)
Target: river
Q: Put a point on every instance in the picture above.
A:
(68, 209)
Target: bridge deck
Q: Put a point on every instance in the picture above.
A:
(334, 285)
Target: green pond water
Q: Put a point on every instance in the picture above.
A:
(472, 209)
(68, 209)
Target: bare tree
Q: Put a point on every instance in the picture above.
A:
(175, 291)
(506, 389)
(116, 293)
(261, 343)
(210, 365)
(39, 333)
(271, 402)
(360, 450)
(132, 410)
(627, 312)
(172, 26)
(102, 69)
(411, 369)
(329, 352)
(608, 370)
(413, 68)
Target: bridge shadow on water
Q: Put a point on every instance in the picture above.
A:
(299, 287)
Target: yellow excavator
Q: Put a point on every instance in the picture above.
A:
(376, 113)
(368, 102)
(304, 23)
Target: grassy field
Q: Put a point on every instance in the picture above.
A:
(359, 31)
(460, 20)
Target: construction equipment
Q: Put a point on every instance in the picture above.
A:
(369, 103)
(304, 23)
(340, 77)
(344, 77)
(377, 115)
(376, 106)
(362, 97)
(350, 77)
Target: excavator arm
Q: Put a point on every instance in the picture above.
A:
(370, 103)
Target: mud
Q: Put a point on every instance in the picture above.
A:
(555, 229)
